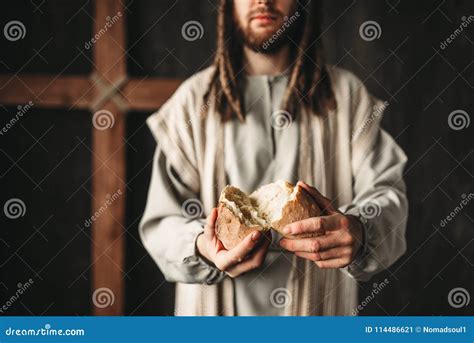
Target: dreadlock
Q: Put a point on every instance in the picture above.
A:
(309, 83)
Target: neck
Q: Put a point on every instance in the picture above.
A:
(266, 64)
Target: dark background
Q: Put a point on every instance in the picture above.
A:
(46, 162)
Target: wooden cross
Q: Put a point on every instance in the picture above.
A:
(108, 88)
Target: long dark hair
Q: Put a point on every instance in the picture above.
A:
(309, 83)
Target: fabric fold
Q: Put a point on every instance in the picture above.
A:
(332, 149)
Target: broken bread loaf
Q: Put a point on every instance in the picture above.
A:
(272, 206)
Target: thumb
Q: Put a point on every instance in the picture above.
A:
(210, 228)
(324, 203)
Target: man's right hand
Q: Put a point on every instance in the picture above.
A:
(240, 259)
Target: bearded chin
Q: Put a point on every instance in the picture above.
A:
(266, 44)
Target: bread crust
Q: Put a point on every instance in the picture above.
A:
(229, 229)
(302, 207)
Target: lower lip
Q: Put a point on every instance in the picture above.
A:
(264, 20)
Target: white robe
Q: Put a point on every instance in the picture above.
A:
(258, 152)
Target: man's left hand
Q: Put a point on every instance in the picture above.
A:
(339, 245)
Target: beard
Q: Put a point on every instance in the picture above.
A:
(269, 43)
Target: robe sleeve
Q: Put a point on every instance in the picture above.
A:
(169, 229)
(174, 213)
(381, 204)
(379, 189)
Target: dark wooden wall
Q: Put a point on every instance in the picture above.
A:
(423, 85)
(45, 161)
(405, 66)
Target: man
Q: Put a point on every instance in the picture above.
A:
(269, 108)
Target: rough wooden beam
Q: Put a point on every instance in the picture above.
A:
(46, 90)
(108, 156)
(78, 92)
(109, 192)
(149, 94)
(109, 163)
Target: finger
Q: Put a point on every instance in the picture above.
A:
(263, 243)
(254, 261)
(313, 245)
(321, 200)
(312, 256)
(312, 225)
(343, 236)
(226, 259)
(339, 252)
(329, 254)
(209, 229)
(334, 263)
